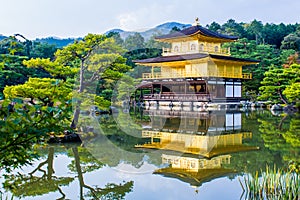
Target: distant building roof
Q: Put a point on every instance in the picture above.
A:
(174, 58)
(194, 30)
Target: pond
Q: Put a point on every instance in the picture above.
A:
(152, 154)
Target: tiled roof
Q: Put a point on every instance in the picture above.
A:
(233, 58)
(172, 58)
(196, 29)
(162, 59)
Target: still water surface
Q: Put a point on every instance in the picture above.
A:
(160, 155)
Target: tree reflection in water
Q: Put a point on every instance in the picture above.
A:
(31, 184)
(23, 185)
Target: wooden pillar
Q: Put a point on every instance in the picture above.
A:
(152, 72)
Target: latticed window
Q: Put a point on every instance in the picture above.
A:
(193, 47)
(216, 48)
(201, 47)
(176, 49)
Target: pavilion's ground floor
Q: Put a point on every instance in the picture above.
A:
(189, 93)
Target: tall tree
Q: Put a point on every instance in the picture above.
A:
(214, 26)
(231, 27)
(255, 28)
(117, 37)
(135, 41)
(98, 57)
(291, 41)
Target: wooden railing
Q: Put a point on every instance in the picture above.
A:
(189, 75)
(213, 50)
(177, 97)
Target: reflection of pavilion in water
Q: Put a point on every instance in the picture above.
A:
(195, 170)
(206, 134)
(196, 145)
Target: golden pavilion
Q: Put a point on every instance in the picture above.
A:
(195, 69)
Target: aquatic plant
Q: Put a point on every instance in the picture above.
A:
(274, 183)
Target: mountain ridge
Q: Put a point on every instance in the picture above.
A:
(160, 29)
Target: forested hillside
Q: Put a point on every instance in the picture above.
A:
(274, 45)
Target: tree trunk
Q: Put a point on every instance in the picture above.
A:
(50, 163)
(76, 116)
(78, 103)
(79, 171)
(282, 97)
(80, 175)
(256, 38)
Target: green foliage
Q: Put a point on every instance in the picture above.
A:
(46, 91)
(214, 26)
(274, 184)
(141, 54)
(153, 44)
(291, 41)
(279, 82)
(135, 41)
(14, 72)
(272, 34)
(57, 42)
(23, 125)
(292, 136)
(87, 162)
(267, 56)
(232, 28)
(292, 92)
(43, 50)
(98, 58)
(254, 30)
(22, 186)
(79, 50)
(115, 191)
(54, 68)
(273, 86)
(175, 29)
(126, 87)
(12, 46)
(101, 102)
(28, 48)
(117, 37)
(280, 134)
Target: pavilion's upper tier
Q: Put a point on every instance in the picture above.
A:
(196, 32)
(195, 39)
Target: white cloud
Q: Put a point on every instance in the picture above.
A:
(147, 16)
(128, 21)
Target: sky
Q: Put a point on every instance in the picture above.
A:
(77, 18)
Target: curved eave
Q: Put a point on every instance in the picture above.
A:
(169, 60)
(195, 178)
(195, 36)
(197, 31)
(229, 59)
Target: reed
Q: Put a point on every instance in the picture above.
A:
(274, 183)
